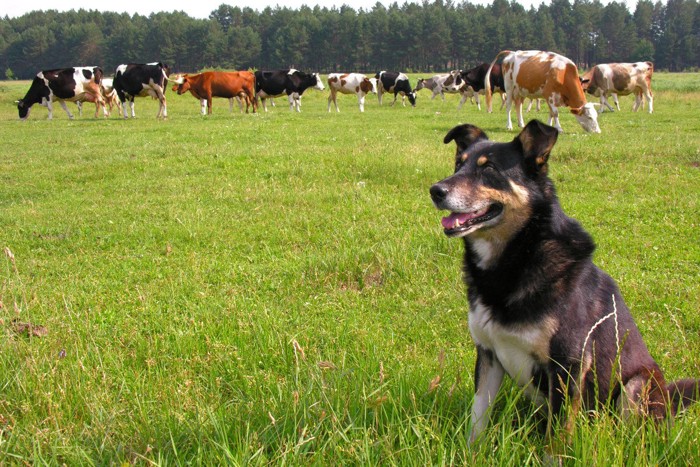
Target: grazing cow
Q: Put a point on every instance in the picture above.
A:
(136, 79)
(533, 74)
(73, 84)
(620, 79)
(209, 84)
(441, 84)
(390, 81)
(475, 77)
(291, 82)
(350, 83)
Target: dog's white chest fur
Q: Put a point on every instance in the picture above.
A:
(520, 349)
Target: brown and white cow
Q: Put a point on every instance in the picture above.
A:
(110, 95)
(534, 73)
(620, 79)
(350, 83)
(226, 84)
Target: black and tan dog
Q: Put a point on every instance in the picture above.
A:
(539, 309)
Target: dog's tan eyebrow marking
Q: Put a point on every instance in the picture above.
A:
(464, 157)
(482, 160)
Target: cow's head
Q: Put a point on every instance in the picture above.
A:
(319, 84)
(420, 84)
(412, 97)
(587, 117)
(181, 84)
(23, 109)
(373, 82)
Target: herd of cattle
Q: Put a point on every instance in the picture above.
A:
(516, 75)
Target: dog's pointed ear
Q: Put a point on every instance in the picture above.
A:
(464, 136)
(537, 141)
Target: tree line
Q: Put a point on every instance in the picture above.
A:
(413, 37)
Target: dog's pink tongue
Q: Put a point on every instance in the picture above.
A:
(454, 219)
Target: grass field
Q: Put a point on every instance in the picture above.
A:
(276, 288)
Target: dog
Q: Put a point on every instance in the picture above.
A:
(539, 309)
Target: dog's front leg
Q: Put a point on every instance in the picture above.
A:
(488, 376)
(564, 404)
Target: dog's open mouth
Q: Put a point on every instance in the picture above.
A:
(459, 222)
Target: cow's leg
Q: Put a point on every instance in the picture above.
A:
(615, 99)
(488, 375)
(605, 104)
(203, 106)
(380, 93)
(295, 101)
(209, 103)
(462, 100)
(264, 101)
(333, 97)
(519, 111)
(478, 102)
(65, 107)
(49, 106)
(554, 117)
(509, 105)
(79, 104)
(650, 99)
(394, 101)
(124, 110)
(361, 101)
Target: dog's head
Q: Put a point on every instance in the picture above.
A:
(492, 192)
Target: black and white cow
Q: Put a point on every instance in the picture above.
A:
(289, 81)
(137, 79)
(475, 77)
(391, 81)
(75, 84)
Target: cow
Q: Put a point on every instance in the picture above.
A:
(110, 95)
(289, 81)
(620, 79)
(534, 73)
(390, 81)
(75, 84)
(440, 84)
(139, 79)
(226, 84)
(474, 78)
(350, 83)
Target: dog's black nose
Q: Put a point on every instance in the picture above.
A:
(438, 192)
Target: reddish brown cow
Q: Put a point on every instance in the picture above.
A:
(226, 84)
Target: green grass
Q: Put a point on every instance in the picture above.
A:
(276, 288)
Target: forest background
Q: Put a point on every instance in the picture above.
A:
(431, 36)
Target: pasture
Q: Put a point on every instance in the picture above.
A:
(276, 288)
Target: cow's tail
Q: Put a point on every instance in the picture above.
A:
(487, 80)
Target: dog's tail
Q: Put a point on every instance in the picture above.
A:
(683, 393)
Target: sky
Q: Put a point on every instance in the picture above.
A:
(202, 8)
